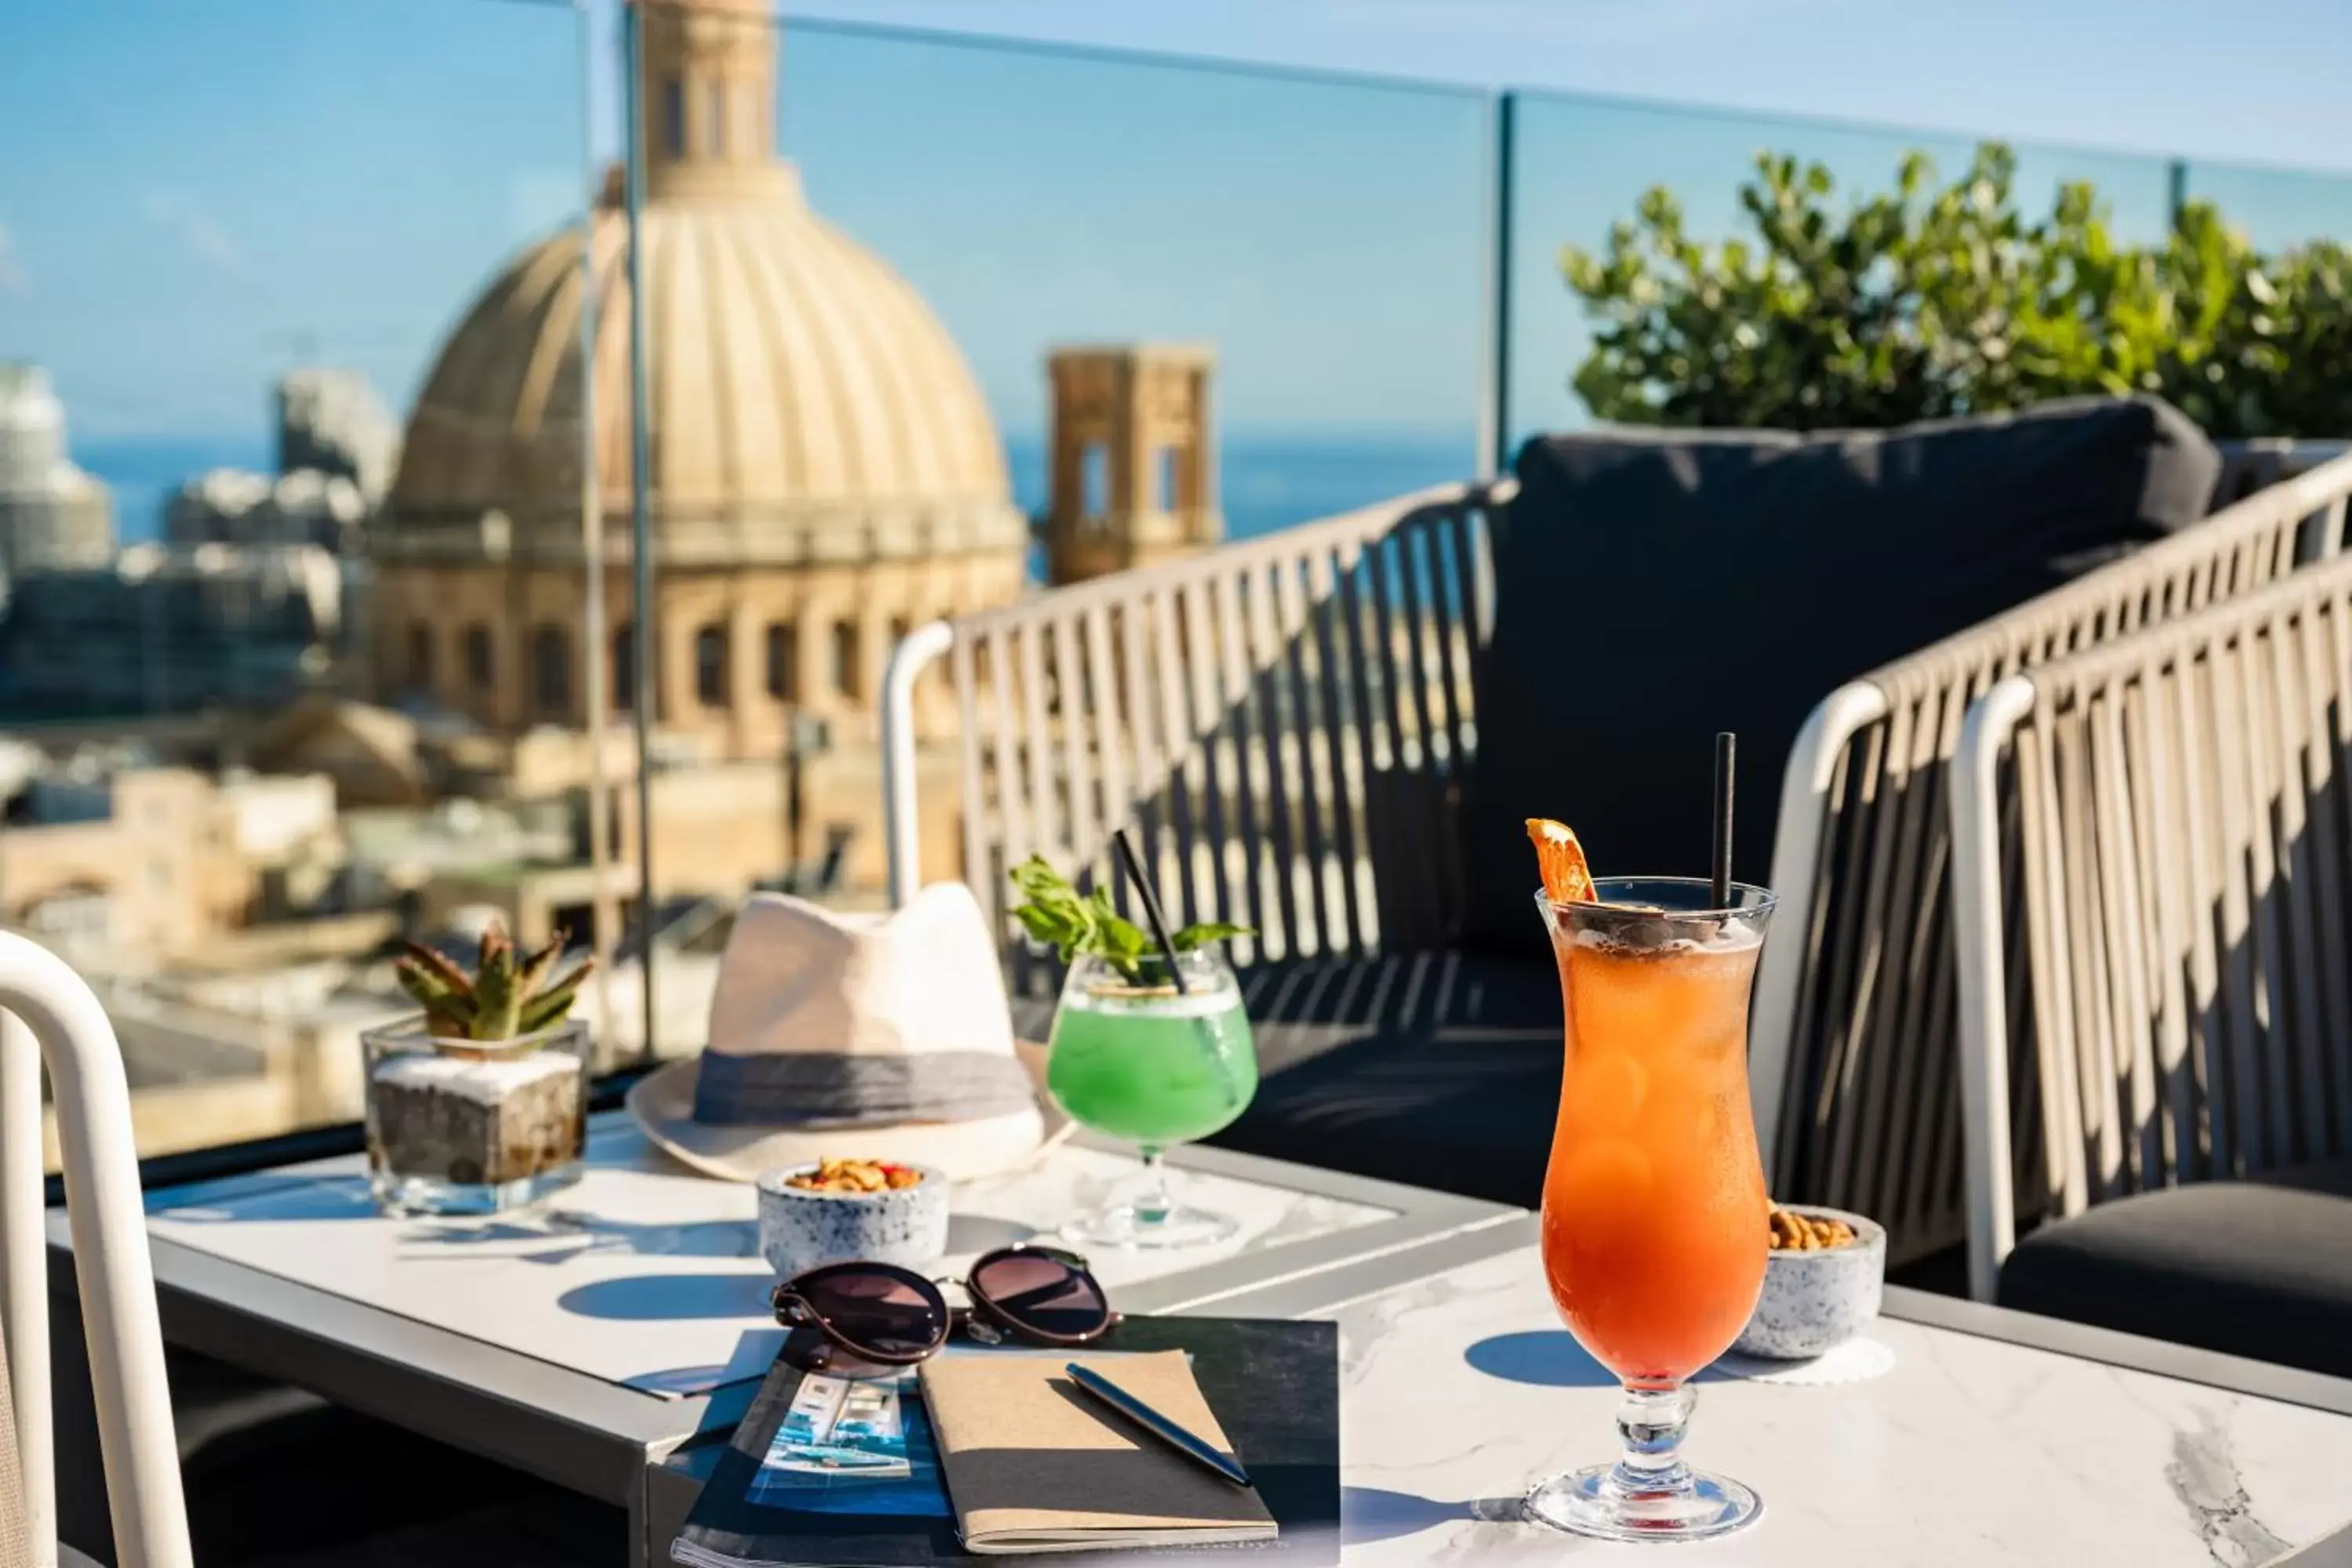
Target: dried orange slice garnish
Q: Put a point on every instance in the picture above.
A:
(1567, 879)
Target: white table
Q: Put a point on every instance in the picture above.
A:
(1994, 1438)
(579, 1340)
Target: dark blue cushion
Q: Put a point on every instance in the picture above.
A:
(2260, 1268)
(1654, 587)
(1437, 1069)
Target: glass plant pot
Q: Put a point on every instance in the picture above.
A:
(459, 1127)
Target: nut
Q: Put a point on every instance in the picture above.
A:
(855, 1176)
(1792, 1232)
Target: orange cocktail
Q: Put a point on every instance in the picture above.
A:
(1655, 1223)
(1654, 1216)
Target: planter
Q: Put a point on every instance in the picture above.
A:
(473, 1126)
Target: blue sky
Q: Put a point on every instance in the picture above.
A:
(193, 196)
(2252, 79)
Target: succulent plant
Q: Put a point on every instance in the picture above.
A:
(508, 994)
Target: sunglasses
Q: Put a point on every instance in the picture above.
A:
(864, 1320)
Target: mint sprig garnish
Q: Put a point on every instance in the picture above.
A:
(1056, 915)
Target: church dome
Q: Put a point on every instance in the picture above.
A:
(799, 388)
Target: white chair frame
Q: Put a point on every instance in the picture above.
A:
(69, 1031)
(2169, 891)
(2294, 516)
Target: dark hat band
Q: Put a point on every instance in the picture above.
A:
(835, 1089)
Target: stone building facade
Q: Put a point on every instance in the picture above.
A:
(167, 860)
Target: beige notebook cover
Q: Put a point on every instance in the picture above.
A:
(1033, 1464)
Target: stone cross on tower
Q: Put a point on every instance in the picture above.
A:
(1134, 476)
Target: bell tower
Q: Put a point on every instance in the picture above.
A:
(1134, 476)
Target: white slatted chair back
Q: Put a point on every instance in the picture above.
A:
(1284, 723)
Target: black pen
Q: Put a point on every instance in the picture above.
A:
(1185, 1443)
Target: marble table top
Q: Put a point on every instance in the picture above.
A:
(1460, 1390)
(648, 1276)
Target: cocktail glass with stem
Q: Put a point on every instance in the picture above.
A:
(1134, 1057)
(1654, 1214)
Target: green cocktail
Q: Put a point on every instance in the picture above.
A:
(1154, 1068)
(1144, 1062)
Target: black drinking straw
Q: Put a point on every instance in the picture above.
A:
(1144, 894)
(1726, 746)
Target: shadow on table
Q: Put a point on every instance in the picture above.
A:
(1546, 1358)
(986, 1233)
(561, 1234)
(1368, 1514)
(240, 1198)
(671, 1297)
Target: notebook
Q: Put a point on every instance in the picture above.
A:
(1033, 1464)
(1273, 1387)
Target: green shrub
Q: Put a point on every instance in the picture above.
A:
(1926, 301)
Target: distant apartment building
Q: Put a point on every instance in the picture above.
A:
(173, 629)
(237, 505)
(337, 448)
(331, 422)
(52, 514)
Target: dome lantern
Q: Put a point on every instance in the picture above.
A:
(708, 92)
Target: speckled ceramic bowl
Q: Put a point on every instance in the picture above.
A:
(800, 1229)
(1813, 1302)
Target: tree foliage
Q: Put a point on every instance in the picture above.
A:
(1929, 301)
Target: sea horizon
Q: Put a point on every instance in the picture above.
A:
(1268, 478)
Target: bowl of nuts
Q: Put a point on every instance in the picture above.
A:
(852, 1211)
(1823, 1279)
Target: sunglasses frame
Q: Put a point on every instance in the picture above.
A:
(794, 1310)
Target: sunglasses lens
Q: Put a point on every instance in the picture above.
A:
(810, 1351)
(888, 1313)
(1039, 1291)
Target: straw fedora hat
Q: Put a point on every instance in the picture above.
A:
(872, 1036)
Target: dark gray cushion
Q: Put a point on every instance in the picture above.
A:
(1654, 587)
(1439, 1070)
(2259, 1268)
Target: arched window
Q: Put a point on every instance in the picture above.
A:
(710, 666)
(624, 667)
(674, 117)
(551, 670)
(845, 658)
(481, 665)
(420, 655)
(784, 661)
